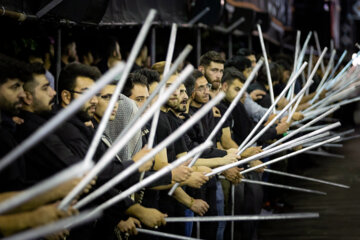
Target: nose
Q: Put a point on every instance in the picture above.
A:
(94, 100)
(52, 92)
(21, 93)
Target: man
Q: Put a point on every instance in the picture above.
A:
(136, 88)
(212, 67)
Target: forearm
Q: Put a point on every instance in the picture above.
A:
(208, 162)
(182, 197)
(10, 224)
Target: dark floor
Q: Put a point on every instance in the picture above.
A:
(339, 210)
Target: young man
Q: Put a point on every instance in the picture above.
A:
(212, 67)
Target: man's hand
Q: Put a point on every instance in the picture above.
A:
(297, 116)
(233, 175)
(232, 150)
(146, 166)
(282, 128)
(229, 158)
(251, 151)
(58, 236)
(282, 103)
(199, 206)
(49, 213)
(297, 148)
(256, 163)
(152, 217)
(181, 173)
(270, 118)
(257, 94)
(129, 226)
(196, 180)
(202, 169)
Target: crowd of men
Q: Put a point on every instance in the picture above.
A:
(28, 100)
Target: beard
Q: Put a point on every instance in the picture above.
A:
(43, 109)
(84, 115)
(10, 108)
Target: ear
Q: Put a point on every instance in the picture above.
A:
(201, 69)
(224, 86)
(192, 95)
(65, 97)
(28, 99)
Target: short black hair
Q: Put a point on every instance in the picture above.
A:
(211, 56)
(230, 74)
(275, 73)
(11, 68)
(68, 75)
(239, 62)
(190, 81)
(151, 75)
(132, 80)
(34, 68)
(244, 52)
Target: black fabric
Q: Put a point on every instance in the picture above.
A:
(12, 177)
(265, 101)
(241, 124)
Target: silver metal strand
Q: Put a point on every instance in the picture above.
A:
(256, 137)
(347, 66)
(298, 141)
(297, 46)
(168, 60)
(151, 178)
(163, 234)
(316, 145)
(298, 189)
(117, 146)
(162, 83)
(199, 16)
(309, 79)
(319, 49)
(176, 134)
(306, 178)
(271, 91)
(302, 128)
(265, 116)
(224, 117)
(50, 228)
(337, 64)
(62, 116)
(310, 60)
(77, 170)
(243, 217)
(327, 72)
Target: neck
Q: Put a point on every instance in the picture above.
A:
(195, 104)
(65, 59)
(27, 108)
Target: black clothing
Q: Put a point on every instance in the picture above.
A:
(265, 101)
(12, 177)
(241, 124)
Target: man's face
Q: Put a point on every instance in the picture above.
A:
(213, 73)
(201, 90)
(173, 101)
(104, 99)
(247, 72)
(252, 58)
(43, 95)
(87, 111)
(11, 96)
(183, 99)
(232, 90)
(139, 94)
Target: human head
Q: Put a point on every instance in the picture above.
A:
(103, 102)
(182, 99)
(12, 77)
(275, 73)
(241, 63)
(232, 82)
(173, 100)
(136, 88)
(244, 52)
(74, 80)
(68, 49)
(40, 97)
(212, 66)
(198, 88)
(152, 76)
